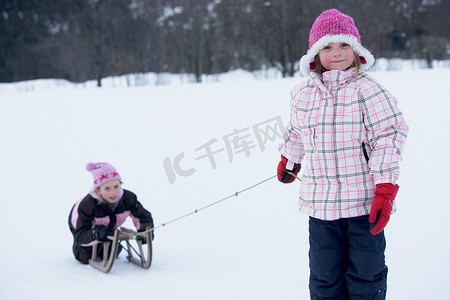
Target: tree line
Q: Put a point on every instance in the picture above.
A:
(92, 39)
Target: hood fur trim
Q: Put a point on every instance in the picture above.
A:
(305, 62)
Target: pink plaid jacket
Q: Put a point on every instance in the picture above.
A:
(348, 133)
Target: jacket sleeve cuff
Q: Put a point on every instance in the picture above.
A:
(289, 156)
(386, 178)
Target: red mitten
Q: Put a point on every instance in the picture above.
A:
(283, 176)
(382, 206)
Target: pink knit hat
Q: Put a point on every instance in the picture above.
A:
(102, 173)
(332, 26)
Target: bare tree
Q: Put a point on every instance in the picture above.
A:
(91, 39)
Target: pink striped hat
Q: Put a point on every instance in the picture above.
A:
(332, 26)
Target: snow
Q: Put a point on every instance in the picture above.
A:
(253, 246)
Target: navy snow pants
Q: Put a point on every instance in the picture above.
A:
(346, 261)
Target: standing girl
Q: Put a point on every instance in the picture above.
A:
(106, 207)
(346, 133)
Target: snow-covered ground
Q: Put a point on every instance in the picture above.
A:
(253, 246)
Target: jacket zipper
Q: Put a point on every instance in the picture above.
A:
(366, 156)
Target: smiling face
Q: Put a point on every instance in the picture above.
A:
(337, 56)
(110, 191)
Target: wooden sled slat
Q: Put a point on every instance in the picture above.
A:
(145, 256)
(108, 258)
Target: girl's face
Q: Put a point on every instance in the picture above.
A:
(110, 191)
(337, 56)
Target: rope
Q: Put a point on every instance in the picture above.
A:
(214, 203)
(131, 246)
(293, 174)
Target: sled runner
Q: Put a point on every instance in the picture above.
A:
(111, 247)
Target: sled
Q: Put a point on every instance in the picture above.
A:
(143, 258)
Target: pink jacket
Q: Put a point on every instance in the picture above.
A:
(348, 133)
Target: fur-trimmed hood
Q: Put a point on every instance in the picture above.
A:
(307, 60)
(332, 26)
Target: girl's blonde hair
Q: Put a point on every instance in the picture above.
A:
(319, 69)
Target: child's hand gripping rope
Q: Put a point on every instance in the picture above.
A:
(286, 173)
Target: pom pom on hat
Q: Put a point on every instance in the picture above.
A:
(102, 173)
(90, 166)
(332, 26)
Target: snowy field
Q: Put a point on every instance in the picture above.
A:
(253, 246)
